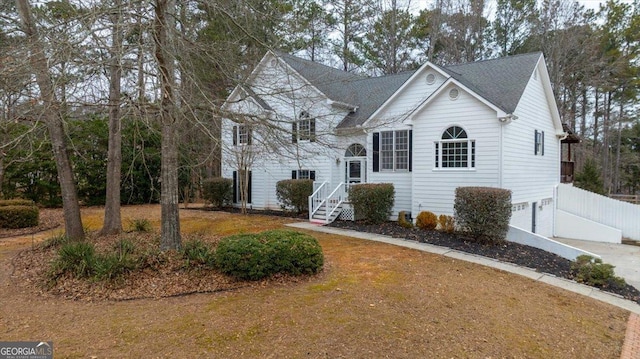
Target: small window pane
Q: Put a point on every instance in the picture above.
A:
(386, 150)
(402, 150)
(243, 135)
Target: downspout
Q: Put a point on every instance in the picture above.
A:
(504, 120)
(501, 155)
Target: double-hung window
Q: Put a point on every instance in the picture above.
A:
(303, 174)
(241, 135)
(394, 150)
(538, 149)
(304, 129)
(455, 149)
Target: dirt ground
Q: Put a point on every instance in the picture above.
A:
(372, 300)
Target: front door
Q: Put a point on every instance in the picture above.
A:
(355, 171)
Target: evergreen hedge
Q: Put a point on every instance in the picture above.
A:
(18, 216)
(218, 191)
(483, 212)
(294, 193)
(256, 256)
(372, 202)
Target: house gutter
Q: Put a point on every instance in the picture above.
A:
(504, 120)
(340, 104)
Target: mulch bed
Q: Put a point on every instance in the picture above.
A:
(522, 255)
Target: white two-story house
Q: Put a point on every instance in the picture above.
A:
(488, 123)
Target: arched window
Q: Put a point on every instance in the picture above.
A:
(455, 149)
(356, 150)
(304, 128)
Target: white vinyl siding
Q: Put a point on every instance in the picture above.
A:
(413, 93)
(530, 175)
(270, 165)
(401, 179)
(433, 187)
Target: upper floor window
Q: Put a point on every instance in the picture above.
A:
(538, 143)
(455, 149)
(304, 128)
(241, 135)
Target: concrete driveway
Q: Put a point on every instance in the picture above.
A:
(626, 258)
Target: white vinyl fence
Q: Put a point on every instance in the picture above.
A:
(610, 212)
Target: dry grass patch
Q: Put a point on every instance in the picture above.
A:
(372, 300)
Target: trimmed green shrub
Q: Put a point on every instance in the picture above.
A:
(483, 212)
(197, 253)
(427, 220)
(294, 252)
(402, 220)
(19, 216)
(218, 191)
(372, 201)
(16, 202)
(256, 256)
(594, 272)
(294, 193)
(446, 223)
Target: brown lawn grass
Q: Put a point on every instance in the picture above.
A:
(373, 300)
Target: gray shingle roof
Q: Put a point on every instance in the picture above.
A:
(258, 99)
(500, 81)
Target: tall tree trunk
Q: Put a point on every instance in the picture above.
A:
(112, 219)
(54, 121)
(170, 226)
(616, 168)
(606, 153)
(596, 117)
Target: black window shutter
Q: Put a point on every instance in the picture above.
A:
(249, 188)
(535, 143)
(376, 152)
(294, 132)
(249, 135)
(312, 130)
(410, 150)
(312, 175)
(294, 174)
(542, 143)
(235, 135)
(235, 186)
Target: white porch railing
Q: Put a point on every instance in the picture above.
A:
(617, 214)
(334, 200)
(318, 198)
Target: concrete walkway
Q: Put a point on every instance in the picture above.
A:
(626, 258)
